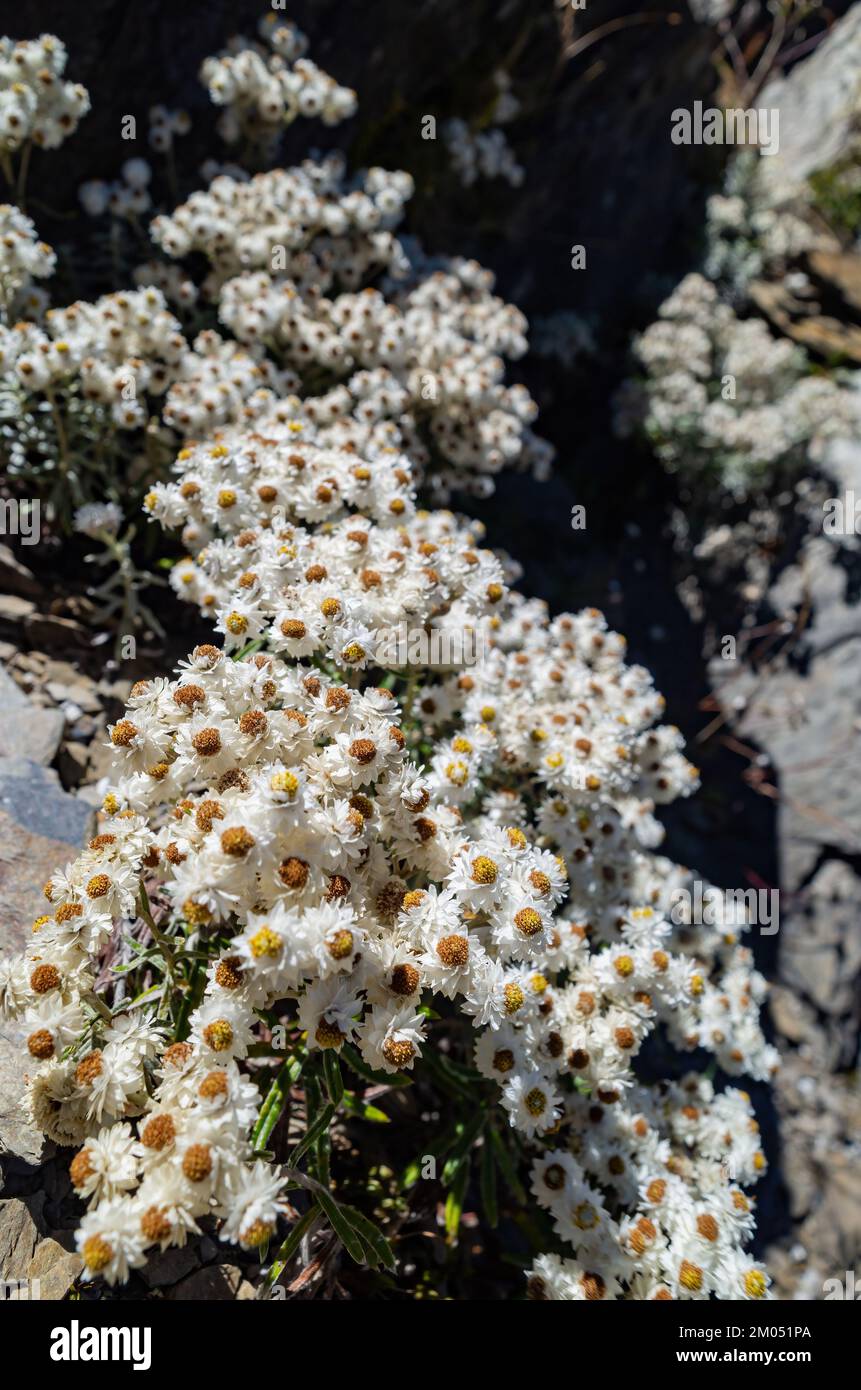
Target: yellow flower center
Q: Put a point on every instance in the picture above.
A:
(484, 870)
(97, 1254)
(265, 942)
(218, 1035)
(535, 1101)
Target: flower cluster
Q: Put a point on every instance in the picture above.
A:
(23, 258)
(35, 103)
(425, 350)
(115, 351)
(335, 856)
(310, 222)
(689, 1218)
(755, 227)
(399, 805)
(481, 154)
(128, 196)
(415, 363)
(219, 381)
(96, 517)
(320, 550)
(165, 124)
(721, 398)
(81, 394)
(264, 86)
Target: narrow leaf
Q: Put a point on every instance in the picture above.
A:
(332, 1074)
(312, 1134)
(487, 1180)
(341, 1226)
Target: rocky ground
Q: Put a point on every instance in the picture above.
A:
(800, 716)
(57, 695)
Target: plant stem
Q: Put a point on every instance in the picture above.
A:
(8, 172)
(23, 168)
(303, 1227)
(158, 936)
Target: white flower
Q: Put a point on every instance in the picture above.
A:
(106, 1165)
(110, 1241)
(98, 516)
(532, 1104)
(255, 1205)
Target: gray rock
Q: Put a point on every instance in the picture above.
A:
(792, 1018)
(32, 798)
(56, 1270)
(20, 1233)
(101, 757)
(32, 731)
(90, 795)
(15, 578)
(114, 692)
(819, 949)
(800, 1176)
(17, 1135)
(219, 1282)
(166, 1267)
(817, 103)
(54, 633)
(41, 829)
(13, 612)
(807, 721)
(842, 1205)
(11, 694)
(81, 693)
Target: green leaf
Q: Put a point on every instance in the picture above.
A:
(454, 1204)
(467, 1133)
(372, 1236)
(248, 649)
(363, 1110)
(322, 1158)
(332, 1073)
(134, 945)
(341, 1226)
(487, 1181)
(506, 1166)
(153, 992)
(376, 1078)
(411, 1175)
(312, 1134)
(276, 1098)
(289, 1247)
(437, 1149)
(446, 1075)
